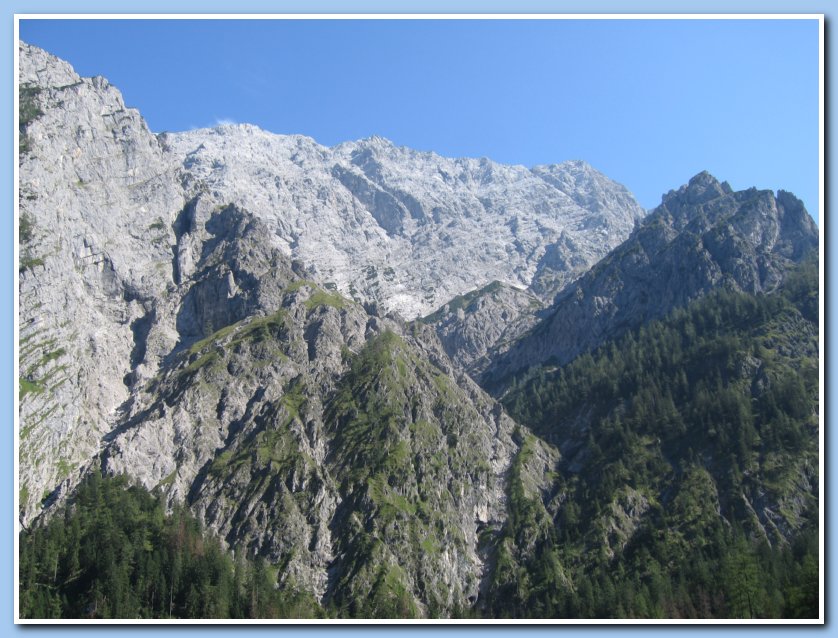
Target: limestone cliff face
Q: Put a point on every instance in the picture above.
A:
(97, 200)
(410, 230)
(329, 442)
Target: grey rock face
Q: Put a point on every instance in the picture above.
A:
(302, 434)
(99, 196)
(405, 229)
(564, 260)
(702, 236)
(473, 325)
(234, 427)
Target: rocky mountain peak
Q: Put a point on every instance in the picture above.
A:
(701, 189)
(703, 236)
(376, 142)
(401, 228)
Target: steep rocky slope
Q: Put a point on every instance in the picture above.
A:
(471, 326)
(97, 197)
(320, 438)
(135, 246)
(408, 229)
(701, 237)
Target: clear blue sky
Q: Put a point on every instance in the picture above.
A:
(649, 103)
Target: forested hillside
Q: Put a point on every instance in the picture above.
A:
(115, 553)
(685, 487)
(688, 480)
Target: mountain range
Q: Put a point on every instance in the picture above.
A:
(411, 385)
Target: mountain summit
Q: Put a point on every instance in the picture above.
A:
(702, 236)
(405, 229)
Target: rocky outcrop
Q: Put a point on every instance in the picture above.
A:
(701, 237)
(320, 438)
(472, 325)
(97, 199)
